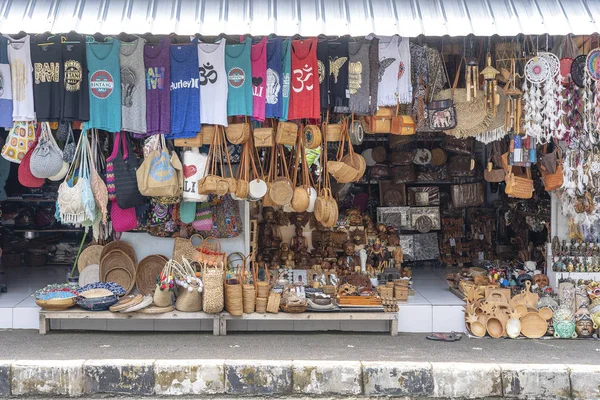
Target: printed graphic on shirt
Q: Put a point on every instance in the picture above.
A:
(354, 76)
(384, 63)
(273, 86)
(102, 84)
(127, 86)
(192, 83)
(73, 75)
(160, 169)
(400, 70)
(302, 77)
(257, 90)
(236, 77)
(19, 79)
(208, 74)
(286, 85)
(335, 65)
(321, 71)
(46, 72)
(155, 78)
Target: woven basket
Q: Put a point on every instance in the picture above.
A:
(333, 132)
(261, 305)
(300, 199)
(189, 301)
(273, 303)
(147, 272)
(89, 256)
(287, 132)
(238, 133)
(184, 247)
(156, 310)
(120, 276)
(234, 303)
(249, 297)
(553, 181)
(162, 298)
(518, 186)
(341, 171)
(119, 245)
(242, 189)
(117, 259)
(281, 192)
(263, 137)
(357, 162)
(212, 277)
(312, 137)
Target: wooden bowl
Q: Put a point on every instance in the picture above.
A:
(57, 304)
(546, 313)
(476, 271)
(495, 328)
(521, 309)
(478, 329)
(533, 325)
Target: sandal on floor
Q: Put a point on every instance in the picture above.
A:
(442, 337)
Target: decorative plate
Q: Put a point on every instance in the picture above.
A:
(553, 62)
(537, 70)
(578, 70)
(592, 64)
(422, 157)
(424, 224)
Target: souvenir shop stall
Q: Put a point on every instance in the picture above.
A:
(327, 177)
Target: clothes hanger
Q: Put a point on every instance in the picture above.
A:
(127, 39)
(64, 38)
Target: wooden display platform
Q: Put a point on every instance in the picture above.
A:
(316, 316)
(78, 313)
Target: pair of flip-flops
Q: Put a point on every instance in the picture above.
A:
(445, 337)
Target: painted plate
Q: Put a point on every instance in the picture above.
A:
(578, 70)
(537, 70)
(592, 64)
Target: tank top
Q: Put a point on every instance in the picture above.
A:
(373, 74)
(274, 102)
(286, 72)
(157, 60)
(6, 101)
(389, 64)
(46, 56)
(213, 83)
(19, 56)
(358, 77)
(323, 60)
(259, 79)
(338, 76)
(304, 99)
(239, 74)
(76, 97)
(185, 91)
(133, 81)
(404, 75)
(104, 85)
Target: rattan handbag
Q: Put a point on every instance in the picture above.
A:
(264, 137)
(286, 133)
(519, 185)
(211, 254)
(281, 190)
(212, 278)
(553, 181)
(301, 197)
(238, 133)
(213, 183)
(311, 136)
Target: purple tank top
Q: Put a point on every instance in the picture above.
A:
(157, 60)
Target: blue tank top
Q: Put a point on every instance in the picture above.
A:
(104, 79)
(286, 70)
(239, 77)
(274, 102)
(185, 91)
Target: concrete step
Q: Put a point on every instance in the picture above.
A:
(283, 378)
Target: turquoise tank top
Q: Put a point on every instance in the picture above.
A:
(104, 79)
(239, 78)
(286, 70)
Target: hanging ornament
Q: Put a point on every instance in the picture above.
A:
(592, 64)
(578, 70)
(552, 61)
(490, 88)
(537, 70)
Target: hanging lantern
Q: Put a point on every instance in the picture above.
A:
(490, 86)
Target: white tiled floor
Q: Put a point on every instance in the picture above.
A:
(432, 308)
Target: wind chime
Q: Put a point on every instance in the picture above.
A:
(472, 75)
(514, 107)
(490, 87)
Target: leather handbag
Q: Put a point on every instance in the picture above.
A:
(494, 172)
(552, 170)
(403, 125)
(381, 122)
(467, 195)
(125, 165)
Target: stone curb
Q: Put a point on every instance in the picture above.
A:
(239, 378)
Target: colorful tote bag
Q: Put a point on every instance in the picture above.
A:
(20, 139)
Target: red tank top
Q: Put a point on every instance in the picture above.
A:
(304, 93)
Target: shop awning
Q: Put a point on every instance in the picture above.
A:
(306, 17)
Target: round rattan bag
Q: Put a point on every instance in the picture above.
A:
(358, 162)
(322, 205)
(312, 137)
(301, 199)
(281, 192)
(242, 189)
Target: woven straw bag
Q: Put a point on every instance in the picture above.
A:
(301, 196)
(234, 303)
(264, 137)
(212, 278)
(208, 133)
(238, 133)
(273, 303)
(333, 132)
(211, 252)
(281, 190)
(287, 133)
(262, 287)
(184, 247)
(212, 183)
(312, 137)
(162, 294)
(553, 181)
(519, 186)
(189, 298)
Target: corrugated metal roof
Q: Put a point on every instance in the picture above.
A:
(306, 17)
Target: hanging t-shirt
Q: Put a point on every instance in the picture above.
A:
(239, 74)
(185, 91)
(259, 79)
(157, 60)
(389, 65)
(358, 77)
(274, 102)
(404, 75)
(21, 71)
(46, 56)
(6, 101)
(104, 85)
(133, 80)
(304, 99)
(373, 74)
(338, 76)
(323, 62)
(286, 72)
(76, 97)
(213, 83)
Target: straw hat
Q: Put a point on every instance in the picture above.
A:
(471, 116)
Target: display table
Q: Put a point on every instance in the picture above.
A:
(316, 316)
(78, 313)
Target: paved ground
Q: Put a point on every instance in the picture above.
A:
(29, 345)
